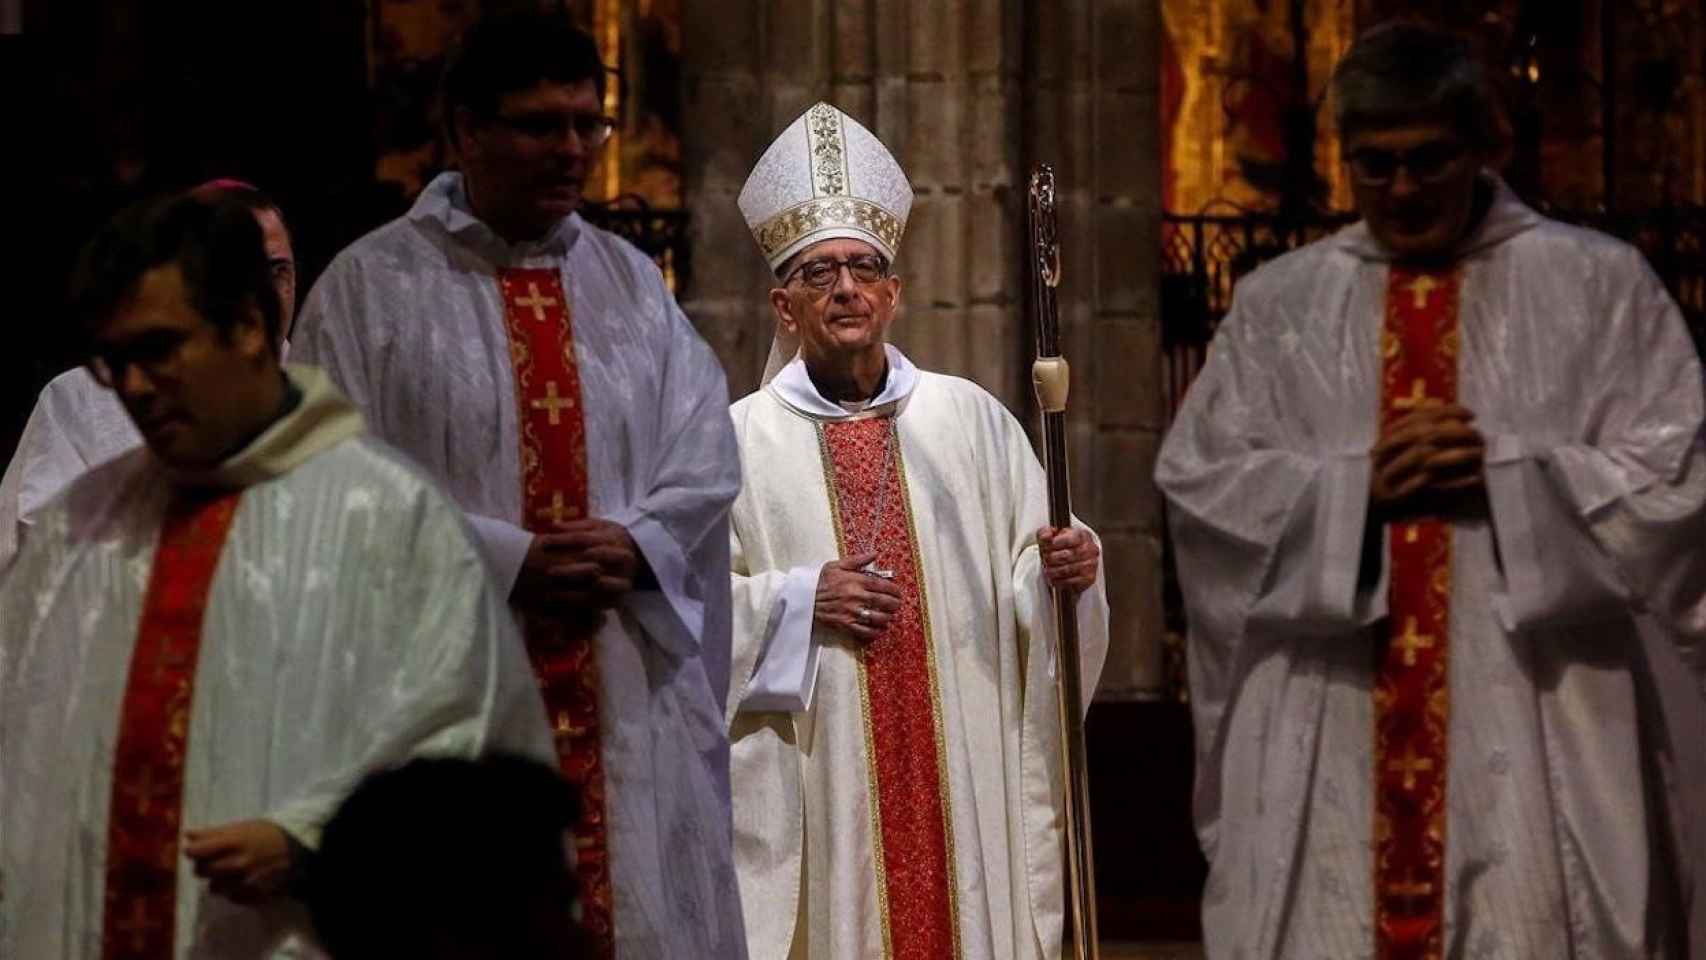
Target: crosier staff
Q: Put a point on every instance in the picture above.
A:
(1050, 376)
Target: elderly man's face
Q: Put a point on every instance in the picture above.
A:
(850, 315)
(1414, 186)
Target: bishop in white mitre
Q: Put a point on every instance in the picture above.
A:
(206, 642)
(895, 743)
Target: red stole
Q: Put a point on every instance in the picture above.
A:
(143, 818)
(554, 491)
(905, 749)
(1412, 679)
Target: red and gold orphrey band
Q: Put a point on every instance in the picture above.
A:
(146, 807)
(1412, 680)
(554, 492)
(905, 750)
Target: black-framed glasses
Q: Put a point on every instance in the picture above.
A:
(1429, 163)
(591, 129)
(822, 274)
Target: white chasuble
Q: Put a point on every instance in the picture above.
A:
(76, 425)
(901, 800)
(411, 321)
(1576, 604)
(346, 622)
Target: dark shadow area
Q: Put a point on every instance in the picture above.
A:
(111, 100)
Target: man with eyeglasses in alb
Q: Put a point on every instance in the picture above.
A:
(1439, 501)
(893, 712)
(207, 640)
(540, 370)
(79, 424)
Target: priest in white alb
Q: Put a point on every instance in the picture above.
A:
(77, 424)
(1439, 503)
(539, 368)
(896, 750)
(207, 641)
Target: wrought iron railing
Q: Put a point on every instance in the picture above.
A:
(660, 234)
(1202, 257)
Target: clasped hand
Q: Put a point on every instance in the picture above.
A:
(1429, 461)
(581, 569)
(853, 601)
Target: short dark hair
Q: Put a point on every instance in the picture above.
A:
(244, 194)
(214, 241)
(503, 53)
(1400, 71)
(446, 856)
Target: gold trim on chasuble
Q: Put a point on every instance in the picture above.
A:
(826, 149)
(554, 491)
(802, 218)
(906, 757)
(1412, 686)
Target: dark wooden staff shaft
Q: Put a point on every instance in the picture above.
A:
(1050, 377)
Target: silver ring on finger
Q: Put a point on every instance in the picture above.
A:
(864, 614)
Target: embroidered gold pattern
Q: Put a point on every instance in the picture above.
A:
(872, 803)
(826, 144)
(935, 698)
(804, 219)
(910, 806)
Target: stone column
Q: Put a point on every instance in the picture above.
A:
(1090, 84)
(935, 81)
(967, 93)
(726, 78)
(1125, 217)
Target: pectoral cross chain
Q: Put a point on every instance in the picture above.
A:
(871, 569)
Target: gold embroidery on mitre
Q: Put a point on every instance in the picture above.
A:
(802, 220)
(826, 147)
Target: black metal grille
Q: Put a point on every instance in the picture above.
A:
(1203, 256)
(660, 234)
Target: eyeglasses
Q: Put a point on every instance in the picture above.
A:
(822, 274)
(1429, 163)
(155, 353)
(281, 269)
(591, 129)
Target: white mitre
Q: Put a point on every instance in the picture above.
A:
(825, 178)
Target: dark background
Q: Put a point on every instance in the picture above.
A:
(111, 100)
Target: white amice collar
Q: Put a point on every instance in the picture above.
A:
(445, 202)
(794, 387)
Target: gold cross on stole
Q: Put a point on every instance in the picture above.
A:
(1409, 765)
(1413, 640)
(1418, 396)
(553, 404)
(1421, 288)
(535, 302)
(558, 509)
